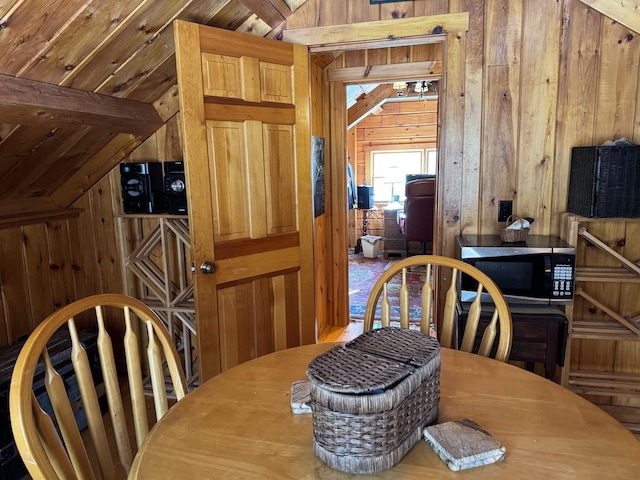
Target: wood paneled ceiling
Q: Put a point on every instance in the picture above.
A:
(83, 82)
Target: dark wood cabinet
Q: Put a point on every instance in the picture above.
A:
(539, 334)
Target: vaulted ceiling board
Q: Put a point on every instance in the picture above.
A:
(135, 79)
(403, 27)
(254, 26)
(153, 85)
(96, 21)
(265, 10)
(282, 7)
(365, 103)
(138, 66)
(34, 103)
(23, 139)
(40, 160)
(150, 56)
(7, 5)
(30, 26)
(231, 16)
(93, 170)
(72, 161)
(625, 12)
(142, 26)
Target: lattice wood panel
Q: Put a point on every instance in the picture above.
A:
(157, 270)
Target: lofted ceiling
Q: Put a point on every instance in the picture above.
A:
(84, 82)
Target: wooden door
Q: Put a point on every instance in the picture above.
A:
(244, 106)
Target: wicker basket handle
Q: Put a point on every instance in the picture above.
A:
(515, 219)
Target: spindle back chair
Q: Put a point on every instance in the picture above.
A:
(44, 453)
(501, 315)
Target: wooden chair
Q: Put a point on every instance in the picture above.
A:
(501, 314)
(38, 442)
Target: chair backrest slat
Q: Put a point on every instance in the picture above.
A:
(51, 442)
(86, 385)
(404, 301)
(39, 442)
(426, 302)
(114, 396)
(473, 320)
(134, 372)
(451, 308)
(385, 309)
(66, 420)
(157, 377)
(449, 316)
(489, 335)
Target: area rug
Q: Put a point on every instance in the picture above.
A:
(363, 273)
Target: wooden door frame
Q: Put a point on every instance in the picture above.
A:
(447, 214)
(370, 35)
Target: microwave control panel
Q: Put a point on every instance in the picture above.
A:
(562, 276)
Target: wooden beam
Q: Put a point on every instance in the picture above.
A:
(29, 102)
(29, 218)
(626, 13)
(388, 73)
(386, 30)
(368, 102)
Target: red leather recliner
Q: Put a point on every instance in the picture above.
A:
(419, 210)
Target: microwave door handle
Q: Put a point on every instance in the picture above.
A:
(548, 273)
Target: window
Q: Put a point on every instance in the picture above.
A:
(389, 171)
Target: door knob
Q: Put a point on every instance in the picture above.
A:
(207, 268)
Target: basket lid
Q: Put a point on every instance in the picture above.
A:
(346, 370)
(373, 362)
(400, 344)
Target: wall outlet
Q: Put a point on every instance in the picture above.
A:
(505, 210)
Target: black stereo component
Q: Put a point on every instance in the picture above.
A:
(175, 188)
(365, 197)
(141, 187)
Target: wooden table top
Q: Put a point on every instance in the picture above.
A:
(240, 425)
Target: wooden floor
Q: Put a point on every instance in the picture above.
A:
(341, 334)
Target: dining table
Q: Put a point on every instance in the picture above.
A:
(240, 425)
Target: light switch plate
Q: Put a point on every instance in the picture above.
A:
(505, 210)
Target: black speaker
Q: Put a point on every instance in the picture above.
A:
(365, 197)
(175, 187)
(141, 187)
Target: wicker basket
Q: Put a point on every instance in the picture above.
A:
(371, 398)
(511, 235)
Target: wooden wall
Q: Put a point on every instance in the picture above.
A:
(44, 266)
(517, 94)
(47, 265)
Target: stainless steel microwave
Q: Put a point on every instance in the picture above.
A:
(540, 270)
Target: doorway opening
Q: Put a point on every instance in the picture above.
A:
(393, 142)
